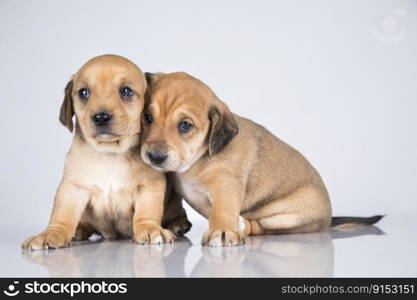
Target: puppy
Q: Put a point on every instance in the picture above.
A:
(106, 187)
(230, 169)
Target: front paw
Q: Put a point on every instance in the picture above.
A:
(152, 234)
(223, 238)
(46, 240)
(179, 226)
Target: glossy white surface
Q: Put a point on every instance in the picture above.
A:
(334, 79)
(387, 250)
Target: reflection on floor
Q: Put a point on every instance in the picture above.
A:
(301, 255)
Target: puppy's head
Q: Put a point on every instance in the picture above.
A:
(183, 120)
(107, 97)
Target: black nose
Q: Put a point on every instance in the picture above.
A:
(157, 157)
(101, 119)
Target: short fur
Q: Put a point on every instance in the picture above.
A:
(231, 170)
(106, 188)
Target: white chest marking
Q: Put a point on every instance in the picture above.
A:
(194, 196)
(108, 177)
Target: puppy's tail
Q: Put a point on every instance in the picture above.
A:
(350, 222)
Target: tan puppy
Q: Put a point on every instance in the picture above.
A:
(106, 188)
(230, 169)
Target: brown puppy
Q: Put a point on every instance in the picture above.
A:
(106, 188)
(230, 169)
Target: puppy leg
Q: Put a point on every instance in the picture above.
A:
(69, 204)
(305, 210)
(83, 232)
(175, 217)
(252, 227)
(225, 195)
(149, 207)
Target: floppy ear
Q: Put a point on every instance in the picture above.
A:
(223, 128)
(67, 108)
(152, 78)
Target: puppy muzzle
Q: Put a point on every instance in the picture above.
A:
(157, 157)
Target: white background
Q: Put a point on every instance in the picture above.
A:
(335, 79)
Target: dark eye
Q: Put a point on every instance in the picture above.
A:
(184, 126)
(148, 118)
(126, 92)
(84, 93)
